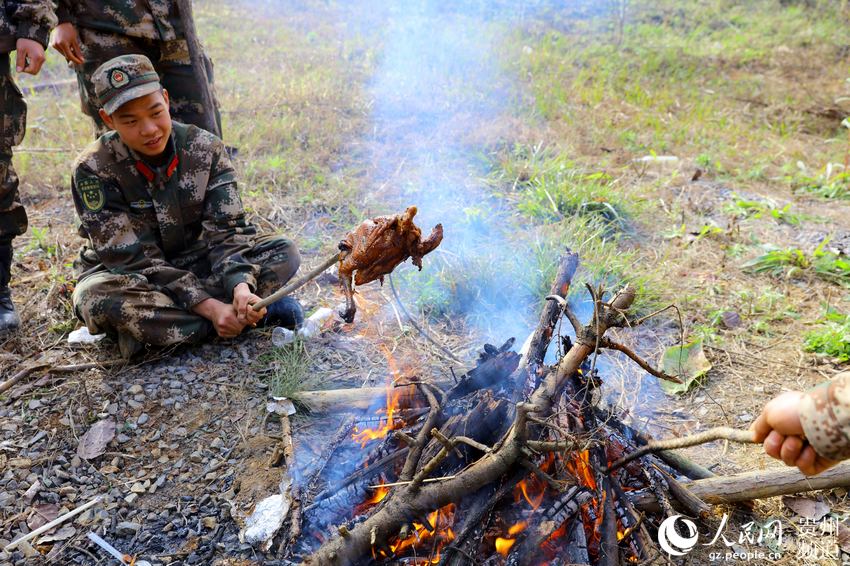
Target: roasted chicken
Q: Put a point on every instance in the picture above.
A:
(376, 247)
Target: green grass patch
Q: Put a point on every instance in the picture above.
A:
(290, 367)
(711, 81)
(831, 338)
(823, 185)
(546, 186)
(743, 208)
(794, 262)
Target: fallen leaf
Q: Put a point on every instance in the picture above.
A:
(64, 533)
(42, 514)
(807, 508)
(687, 362)
(844, 537)
(93, 442)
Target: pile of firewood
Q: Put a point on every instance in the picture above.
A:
(513, 464)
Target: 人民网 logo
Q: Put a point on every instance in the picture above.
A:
(671, 541)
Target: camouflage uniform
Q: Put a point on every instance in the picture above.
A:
(30, 19)
(161, 240)
(154, 29)
(825, 414)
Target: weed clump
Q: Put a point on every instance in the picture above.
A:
(794, 262)
(832, 338)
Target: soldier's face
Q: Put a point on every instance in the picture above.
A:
(144, 124)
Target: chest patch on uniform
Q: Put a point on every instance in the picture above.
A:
(91, 192)
(141, 204)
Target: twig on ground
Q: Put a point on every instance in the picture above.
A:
(56, 369)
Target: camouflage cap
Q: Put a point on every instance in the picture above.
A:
(123, 79)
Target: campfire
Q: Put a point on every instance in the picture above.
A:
(511, 464)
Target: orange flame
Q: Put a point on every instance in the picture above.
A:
(503, 545)
(377, 496)
(441, 520)
(393, 397)
(367, 435)
(581, 469)
(517, 528)
(534, 500)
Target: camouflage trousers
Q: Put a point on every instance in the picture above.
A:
(169, 58)
(13, 119)
(110, 302)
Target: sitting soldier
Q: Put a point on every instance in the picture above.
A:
(170, 255)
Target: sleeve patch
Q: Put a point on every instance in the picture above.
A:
(91, 193)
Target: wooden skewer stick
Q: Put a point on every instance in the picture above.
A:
(710, 435)
(297, 284)
(58, 520)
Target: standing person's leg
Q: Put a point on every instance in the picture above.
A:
(13, 216)
(98, 48)
(183, 83)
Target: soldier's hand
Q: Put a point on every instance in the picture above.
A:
(222, 316)
(243, 298)
(66, 41)
(780, 431)
(30, 56)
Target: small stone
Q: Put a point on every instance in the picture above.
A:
(217, 443)
(112, 408)
(34, 404)
(731, 320)
(210, 522)
(143, 419)
(85, 519)
(137, 488)
(7, 499)
(131, 498)
(122, 438)
(127, 528)
(20, 463)
(196, 457)
(135, 404)
(135, 389)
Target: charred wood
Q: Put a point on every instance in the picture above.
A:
(695, 506)
(562, 510)
(491, 371)
(681, 464)
(532, 359)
